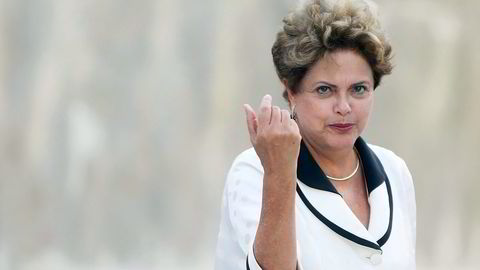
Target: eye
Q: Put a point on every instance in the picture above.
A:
(323, 90)
(359, 90)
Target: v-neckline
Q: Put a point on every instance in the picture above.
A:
(364, 194)
(323, 200)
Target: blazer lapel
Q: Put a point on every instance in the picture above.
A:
(323, 200)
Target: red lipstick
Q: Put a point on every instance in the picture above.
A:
(341, 127)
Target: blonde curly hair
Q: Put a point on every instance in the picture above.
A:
(318, 27)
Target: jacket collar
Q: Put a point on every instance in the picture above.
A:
(312, 175)
(322, 199)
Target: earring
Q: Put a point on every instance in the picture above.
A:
(294, 113)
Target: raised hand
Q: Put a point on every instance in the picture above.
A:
(275, 137)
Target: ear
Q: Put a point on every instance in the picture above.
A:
(290, 94)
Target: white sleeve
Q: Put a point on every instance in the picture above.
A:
(244, 188)
(253, 264)
(244, 196)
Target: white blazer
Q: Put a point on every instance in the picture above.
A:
(329, 235)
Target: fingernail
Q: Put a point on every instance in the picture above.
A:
(245, 108)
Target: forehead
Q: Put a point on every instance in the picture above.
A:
(340, 67)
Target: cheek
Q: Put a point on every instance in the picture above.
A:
(364, 110)
(318, 111)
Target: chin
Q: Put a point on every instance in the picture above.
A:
(341, 141)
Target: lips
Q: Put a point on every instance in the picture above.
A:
(342, 127)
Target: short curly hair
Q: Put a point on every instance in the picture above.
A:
(318, 27)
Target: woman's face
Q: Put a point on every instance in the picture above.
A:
(334, 100)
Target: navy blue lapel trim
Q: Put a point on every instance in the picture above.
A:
(312, 175)
(385, 237)
(334, 227)
(309, 173)
(374, 173)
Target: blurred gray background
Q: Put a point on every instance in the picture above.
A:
(119, 120)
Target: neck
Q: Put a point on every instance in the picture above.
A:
(334, 162)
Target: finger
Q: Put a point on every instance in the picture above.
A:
(251, 122)
(265, 111)
(276, 116)
(253, 117)
(285, 117)
(294, 126)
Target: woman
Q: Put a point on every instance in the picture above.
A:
(312, 194)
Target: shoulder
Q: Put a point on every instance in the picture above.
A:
(245, 165)
(395, 167)
(247, 157)
(388, 158)
(246, 173)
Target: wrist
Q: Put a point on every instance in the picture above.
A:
(282, 178)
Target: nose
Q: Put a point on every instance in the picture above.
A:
(342, 106)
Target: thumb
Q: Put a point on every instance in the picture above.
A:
(252, 123)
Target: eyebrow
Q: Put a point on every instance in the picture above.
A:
(324, 82)
(361, 82)
(334, 86)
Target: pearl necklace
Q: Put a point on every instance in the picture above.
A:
(347, 177)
